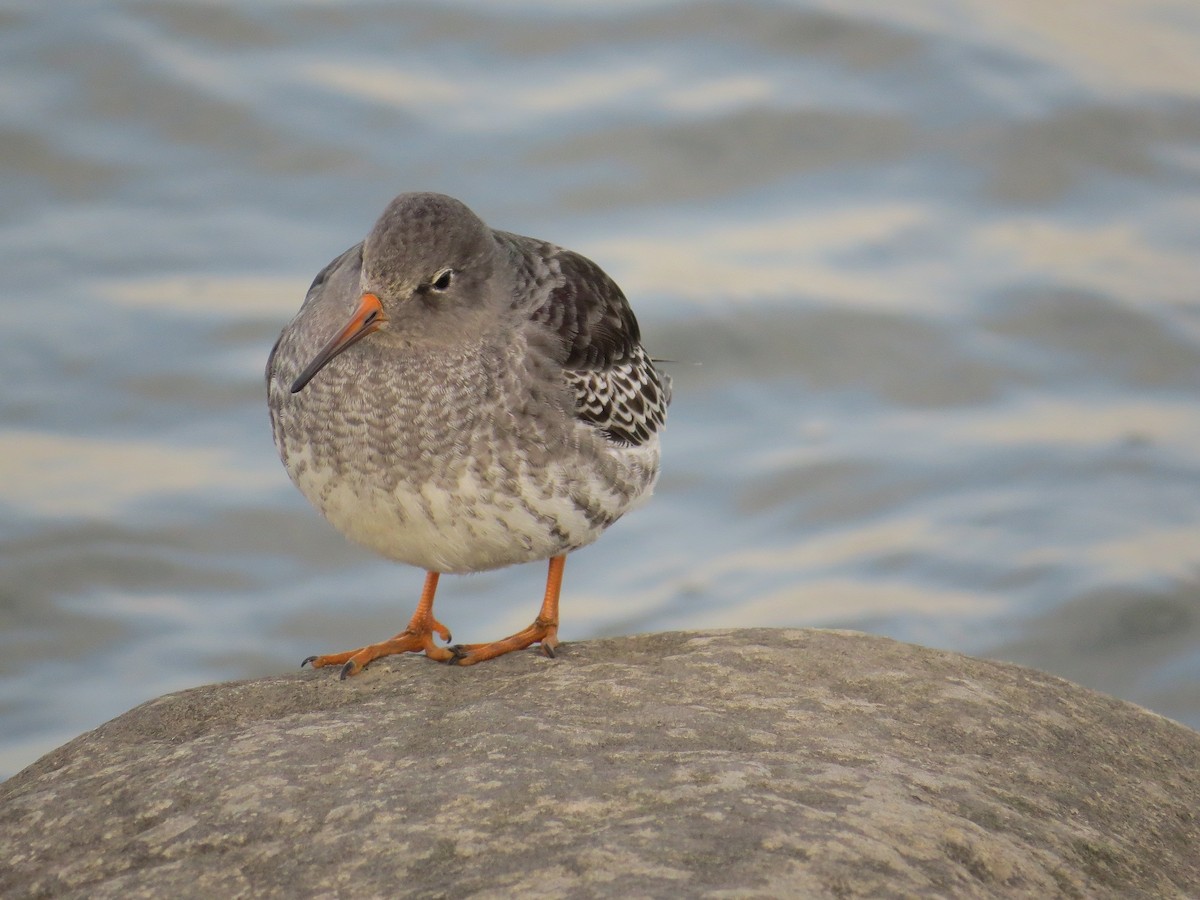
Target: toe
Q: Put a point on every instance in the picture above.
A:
(441, 631)
(440, 654)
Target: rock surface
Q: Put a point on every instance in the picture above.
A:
(752, 763)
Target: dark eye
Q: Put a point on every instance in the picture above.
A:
(442, 280)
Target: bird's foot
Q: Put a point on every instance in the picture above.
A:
(408, 641)
(542, 632)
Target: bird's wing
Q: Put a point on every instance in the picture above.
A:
(616, 386)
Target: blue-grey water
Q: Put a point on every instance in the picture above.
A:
(929, 273)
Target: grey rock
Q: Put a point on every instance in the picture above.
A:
(756, 763)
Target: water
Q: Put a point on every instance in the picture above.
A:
(928, 272)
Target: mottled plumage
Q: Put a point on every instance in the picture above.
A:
(459, 399)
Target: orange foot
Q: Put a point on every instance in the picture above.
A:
(540, 632)
(544, 629)
(416, 637)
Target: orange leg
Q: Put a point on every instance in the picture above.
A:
(416, 637)
(544, 629)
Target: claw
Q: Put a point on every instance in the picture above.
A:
(350, 668)
(307, 660)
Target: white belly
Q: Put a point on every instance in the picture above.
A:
(473, 521)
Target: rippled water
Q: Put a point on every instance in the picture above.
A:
(928, 272)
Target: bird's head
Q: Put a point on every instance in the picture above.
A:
(426, 271)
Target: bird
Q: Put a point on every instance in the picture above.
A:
(459, 399)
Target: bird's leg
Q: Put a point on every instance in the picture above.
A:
(416, 637)
(544, 629)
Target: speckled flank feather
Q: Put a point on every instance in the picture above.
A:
(511, 417)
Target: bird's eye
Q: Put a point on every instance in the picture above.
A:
(442, 280)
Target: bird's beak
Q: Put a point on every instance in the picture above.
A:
(366, 319)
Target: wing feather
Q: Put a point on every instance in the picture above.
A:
(617, 389)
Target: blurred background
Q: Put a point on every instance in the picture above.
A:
(928, 271)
